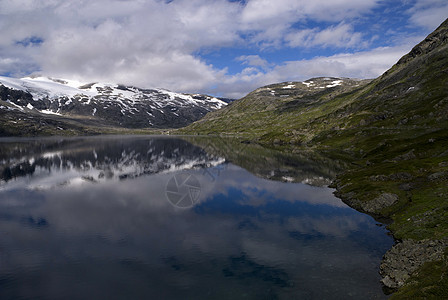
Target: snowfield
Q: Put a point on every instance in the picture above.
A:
(42, 87)
(136, 107)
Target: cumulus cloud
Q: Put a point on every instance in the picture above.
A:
(252, 60)
(366, 64)
(156, 43)
(341, 35)
(259, 12)
(134, 42)
(429, 13)
(271, 20)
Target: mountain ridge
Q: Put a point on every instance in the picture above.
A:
(111, 104)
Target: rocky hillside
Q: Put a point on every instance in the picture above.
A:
(395, 129)
(274, 108)
(107, 104)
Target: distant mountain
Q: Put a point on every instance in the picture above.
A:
(107, 104)
(276, 108)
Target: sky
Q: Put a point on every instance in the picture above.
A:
(224, 48)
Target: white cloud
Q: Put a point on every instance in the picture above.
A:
(341, 35)
(146, 43)
(429, 13)
(253, 60)
(257, 12)
(155, 43)
(271, 20)
(367, 64)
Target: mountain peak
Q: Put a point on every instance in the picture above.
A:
(115, 104)
(307, 87)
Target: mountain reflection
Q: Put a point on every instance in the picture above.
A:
(105, 158)
(99, 159)
(312, 167)
(90, 218)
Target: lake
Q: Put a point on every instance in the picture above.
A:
(146, 217)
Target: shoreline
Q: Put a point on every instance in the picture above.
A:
(402, 265)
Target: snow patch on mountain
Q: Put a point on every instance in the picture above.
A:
(334, 83)
(49, 112)
(122, 105)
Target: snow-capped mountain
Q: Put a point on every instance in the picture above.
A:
(308, 87)
(117, 105)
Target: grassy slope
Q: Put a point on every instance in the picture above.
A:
(266, 118)
(396, 130)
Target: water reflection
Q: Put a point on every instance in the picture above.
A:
(53, 162)
(292, 165)
(70, 232)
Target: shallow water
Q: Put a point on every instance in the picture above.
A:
(162, 218)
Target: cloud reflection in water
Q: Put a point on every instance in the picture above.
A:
(115, 237)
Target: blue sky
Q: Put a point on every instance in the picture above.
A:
(220, 47)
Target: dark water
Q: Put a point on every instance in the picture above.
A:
(165, 218)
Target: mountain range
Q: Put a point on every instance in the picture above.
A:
(98, 105)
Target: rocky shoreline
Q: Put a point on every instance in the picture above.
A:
(405, 257)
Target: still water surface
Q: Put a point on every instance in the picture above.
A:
(170, 218)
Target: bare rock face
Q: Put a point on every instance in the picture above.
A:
(435, 40)
(406, 257)
(373, 206)
(382, 201)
